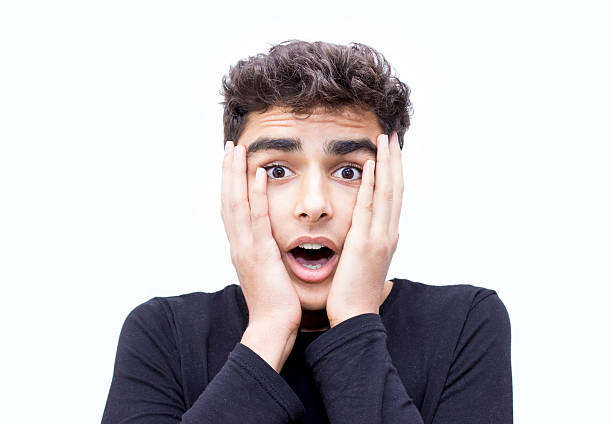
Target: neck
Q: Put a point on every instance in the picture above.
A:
(318, 321)
(314, 321)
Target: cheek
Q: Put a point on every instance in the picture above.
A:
(279, 208)
(344, 203)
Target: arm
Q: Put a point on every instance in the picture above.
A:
(478, 388)
(147, 382)
(355, 376)
(359, 384)
(274, 307)
(351, 363)
(246, 390)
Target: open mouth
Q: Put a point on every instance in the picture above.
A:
(312, 262)
(312, 258)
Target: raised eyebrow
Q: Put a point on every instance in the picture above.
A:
(288, 144)
(331, 148)
(344, 147)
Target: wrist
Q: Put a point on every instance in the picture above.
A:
(345, 315)
(271, 343)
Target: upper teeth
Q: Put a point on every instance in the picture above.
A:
(311, 246)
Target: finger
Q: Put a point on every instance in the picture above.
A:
(239, 213)
(362, 214)
(226, 181)
(398, 183)
(383, 188)
(260, 221)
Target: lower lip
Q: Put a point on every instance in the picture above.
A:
(312, 275)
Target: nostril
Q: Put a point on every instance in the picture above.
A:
(313, 217)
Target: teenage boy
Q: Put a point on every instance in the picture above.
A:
(311, 198)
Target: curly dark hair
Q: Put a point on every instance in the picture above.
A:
(303, 76)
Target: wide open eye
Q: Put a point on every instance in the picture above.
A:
(277, 172)
(349, 172)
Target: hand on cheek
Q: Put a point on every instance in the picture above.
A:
(372, 239)
(274, 306)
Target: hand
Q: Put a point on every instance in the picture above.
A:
(372, 239)
(274, 306)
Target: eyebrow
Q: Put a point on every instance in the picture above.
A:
(331, 148)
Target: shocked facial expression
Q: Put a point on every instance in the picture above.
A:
(314, 168)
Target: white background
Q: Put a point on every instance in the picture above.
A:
(110, 158)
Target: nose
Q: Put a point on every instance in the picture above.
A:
(313, 198)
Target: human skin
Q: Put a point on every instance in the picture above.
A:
(310, 193)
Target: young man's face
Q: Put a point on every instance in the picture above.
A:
(314, 172)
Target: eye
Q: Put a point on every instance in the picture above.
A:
(277, 172)
(348, 172)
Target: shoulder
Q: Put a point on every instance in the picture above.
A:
(446, 309)
(189, 303)
(440, 299)
(451, 346)
(179, 315)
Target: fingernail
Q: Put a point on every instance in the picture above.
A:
(385, 144)
(237, 151)
(370, 164)
(260, 174)
(227, 146)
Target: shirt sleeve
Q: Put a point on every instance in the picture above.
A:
(146, 385)
(478, 388)
(357, 381)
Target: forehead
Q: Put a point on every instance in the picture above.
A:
(320, 126)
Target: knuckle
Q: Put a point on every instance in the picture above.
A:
(380, 250)
(234, 256)
(368, 205)
(241, 258)
(257, 215)
(388, 195)
(378, 246)
(395, 241)
(235, 203)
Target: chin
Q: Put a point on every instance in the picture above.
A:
(313, 296)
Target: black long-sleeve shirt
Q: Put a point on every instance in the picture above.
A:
(434, 354)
